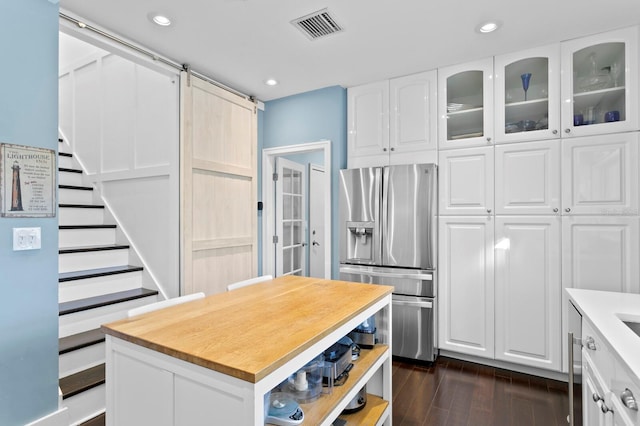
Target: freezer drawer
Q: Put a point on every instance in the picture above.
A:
(413, 328)
(410, 282)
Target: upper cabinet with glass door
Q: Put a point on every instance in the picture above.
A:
(599, 83)
(465, 105)
(527, 88)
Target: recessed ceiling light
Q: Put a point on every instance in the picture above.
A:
(271, 82)
(488, 27)
(161, 20)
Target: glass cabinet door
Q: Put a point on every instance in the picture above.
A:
(527, 95)
(599, 86)
(465, 98)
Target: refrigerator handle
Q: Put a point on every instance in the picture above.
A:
(426, 305)
(410, 276)
(385, 212)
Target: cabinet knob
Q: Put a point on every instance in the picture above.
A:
(567, 210)
(590, 343)
(555, 210)
(488, 210)
(384, 149)
(393, 149)
(488, 139)
(567, 130)
(629, 400)
(555, 132)
(604, 408)
(596, 397)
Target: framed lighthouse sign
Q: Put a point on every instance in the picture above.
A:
(27, 181)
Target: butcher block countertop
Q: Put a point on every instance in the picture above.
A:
(249, 332)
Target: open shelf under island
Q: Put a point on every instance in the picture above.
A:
(211, 361)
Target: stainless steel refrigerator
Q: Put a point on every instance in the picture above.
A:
(388, 228)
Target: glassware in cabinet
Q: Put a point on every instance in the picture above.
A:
(599, 86)
(465, 99)
(534, 113)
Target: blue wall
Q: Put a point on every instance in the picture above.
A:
(28, 279)
(311, 117)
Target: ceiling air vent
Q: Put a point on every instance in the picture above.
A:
(317, 24)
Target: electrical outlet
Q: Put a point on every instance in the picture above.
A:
(26, 239)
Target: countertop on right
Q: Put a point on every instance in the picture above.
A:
(607, 311)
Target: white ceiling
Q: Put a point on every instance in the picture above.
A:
(243, 42)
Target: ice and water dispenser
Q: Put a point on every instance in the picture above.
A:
(361, 246)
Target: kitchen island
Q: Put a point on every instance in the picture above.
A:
(212, 361)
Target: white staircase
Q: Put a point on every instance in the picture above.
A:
(96, 285)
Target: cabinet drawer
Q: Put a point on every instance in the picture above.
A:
(623, 383)
(594, 345)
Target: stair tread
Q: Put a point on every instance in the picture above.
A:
(85, 249)
(98, 272)
(83, 380)
(70, 170)
(80, 340)
(98, 420)
(65, 154)
(78, 187)
(104, 300)
(85, 226)
(81, 206)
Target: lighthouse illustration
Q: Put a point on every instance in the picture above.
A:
(16, 190)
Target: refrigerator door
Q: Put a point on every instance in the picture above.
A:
(409, 198)
(360, 232)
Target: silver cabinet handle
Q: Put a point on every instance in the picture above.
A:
(488, 210)
(567, 210)
(555, 132)
(393, 149)
(567, 130)
(555, 210)
(604, 408)
(384, 149)
(629, 400)
(596, 397)
(488, 139)
(590, 343)
(315, 243)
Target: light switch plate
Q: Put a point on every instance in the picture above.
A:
(26, 239)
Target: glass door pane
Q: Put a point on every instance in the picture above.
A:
(465, 105)
(526, 95)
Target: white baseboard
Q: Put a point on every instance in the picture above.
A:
(58, 418)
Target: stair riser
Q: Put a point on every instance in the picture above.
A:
(66, 162)
(90, 287)
(75, 196)
(80, 216)
(70, 178)
(92, 260)
(81, 359)
(88, 320)
(85, 405)
(86, 237)
(63, 147)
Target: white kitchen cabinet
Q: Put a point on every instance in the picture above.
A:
(600, 75)
(393, 121)
(528, 290)
(466, 181)
(527, 178)
(600, 175)
(466, 291)
(368, 121)
(465, 105)
(595, 411)
(534, 116)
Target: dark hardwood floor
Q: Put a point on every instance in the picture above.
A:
(453, 392)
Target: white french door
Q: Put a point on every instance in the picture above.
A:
(316, 220)
(290, 218)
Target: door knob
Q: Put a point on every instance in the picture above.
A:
(315, 243)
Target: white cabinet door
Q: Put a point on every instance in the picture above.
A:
(528, 178)
(535, 113)
(465, 105)
(368, 124)
(593, 395)
(601, 253)
(466, 293)
(600, 175)
(528, 291)
(413, 117)
(466, 181)
(600, 75)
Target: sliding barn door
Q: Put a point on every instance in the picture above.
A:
(218, 187)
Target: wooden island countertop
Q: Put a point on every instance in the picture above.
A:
(250, 332)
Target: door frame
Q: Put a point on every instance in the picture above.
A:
(268, 194)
